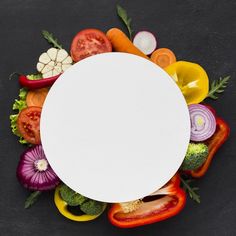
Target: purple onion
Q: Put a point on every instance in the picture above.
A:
(203, 122)
(34, 171)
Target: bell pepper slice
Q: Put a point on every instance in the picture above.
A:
(62, 207)
(191, 78)
(171, 201)
(214, 143)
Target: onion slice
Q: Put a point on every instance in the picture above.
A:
(203, 122)
(34, 171)
(145, 41)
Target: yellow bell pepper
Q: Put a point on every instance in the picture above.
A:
(191, 78)
(62, 207)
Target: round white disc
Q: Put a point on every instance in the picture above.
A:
(115, 127)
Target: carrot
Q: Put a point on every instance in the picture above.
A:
(121, 43)
(163, 57)
(36, 97)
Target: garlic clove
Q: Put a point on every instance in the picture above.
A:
(58, 69)
(68, 60)
(61, 55)
(52, 53)
(40, 66)
(46, 69)
(65, 66)
(47, 74)
(51, 63)
(59, 64)
(44, 58)
(55, 72)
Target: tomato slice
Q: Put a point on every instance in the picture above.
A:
(28, 124)
(89, 42)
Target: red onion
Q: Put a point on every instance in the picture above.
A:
(203, 122)
(34, 171)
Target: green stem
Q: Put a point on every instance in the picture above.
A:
(191, 192)
(33, 197)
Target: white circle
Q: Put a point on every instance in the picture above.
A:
(115, 127)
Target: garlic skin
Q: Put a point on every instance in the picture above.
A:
(53, 62)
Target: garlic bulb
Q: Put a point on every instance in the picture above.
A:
(53, 62)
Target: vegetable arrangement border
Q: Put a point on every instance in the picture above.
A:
(208, 131)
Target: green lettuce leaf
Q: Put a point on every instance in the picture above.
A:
(34, 77)
(18, 105)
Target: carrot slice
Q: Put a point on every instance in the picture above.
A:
(163, 57)
(36, 97)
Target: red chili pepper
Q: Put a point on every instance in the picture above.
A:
(214, 143)
(170, 202)
(36, 84)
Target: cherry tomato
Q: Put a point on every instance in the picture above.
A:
(28, 124)
(89, 42)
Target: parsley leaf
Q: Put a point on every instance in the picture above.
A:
(33, 197)
(218, 86)
(124, 17)
(51, 39)
(191, 190)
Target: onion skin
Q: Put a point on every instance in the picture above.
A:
(203, 122)
(31, 177)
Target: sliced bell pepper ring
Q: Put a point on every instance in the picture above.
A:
(62, 207)
(37, 84)
(171, 201)
(214, 143)
(191, 78)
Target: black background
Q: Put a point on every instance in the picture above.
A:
(202, 31)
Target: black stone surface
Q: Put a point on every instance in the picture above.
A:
(202, 31)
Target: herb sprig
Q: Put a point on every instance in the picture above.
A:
(33, 197)
(125, 18)
(51, 39)
(218, 86)
(191, 190)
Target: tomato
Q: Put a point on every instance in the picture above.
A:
(28, 124)
(89, 42)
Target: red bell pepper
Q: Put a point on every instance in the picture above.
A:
(152, 209)
(39, 83)
(214, 143)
